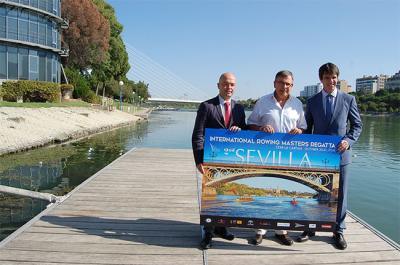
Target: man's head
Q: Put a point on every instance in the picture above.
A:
(283, 84)
(328, 75)
(226, 85)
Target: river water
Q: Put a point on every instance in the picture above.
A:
(374, 192)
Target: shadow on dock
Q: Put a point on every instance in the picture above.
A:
(163, 233)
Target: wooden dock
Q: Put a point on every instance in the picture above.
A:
(143, 209)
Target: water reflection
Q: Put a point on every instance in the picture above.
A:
(374, 185)
(58, 169)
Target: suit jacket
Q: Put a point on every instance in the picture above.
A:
(345, 122)
(209, 115)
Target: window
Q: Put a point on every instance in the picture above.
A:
(3, 62)
(23, 14)
(12, 63)
(48, 34)
(33, 17)
(50, 6)
(55, 7)
(42, 34)
(34, 3)
(55, 69)
(24, 2)
(54, 34)
(43, 4)
(33, 65)
(33, 32)
(23, 30)
(23, 25)
(23, 68)
(48, 70)
(42, 66)
(2, 25)
(12, 28)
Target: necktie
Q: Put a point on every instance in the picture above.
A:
(227, 113)
(329, 107)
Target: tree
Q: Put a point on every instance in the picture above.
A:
(302, 99)
(381, 93)
(372, 106)
(140, 89)
(88, 34)
(118, 64)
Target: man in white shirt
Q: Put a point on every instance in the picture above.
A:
(278, 112)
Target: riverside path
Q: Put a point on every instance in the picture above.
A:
(143, 209)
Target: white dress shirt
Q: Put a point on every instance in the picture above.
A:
(268, 111)
(222, 105)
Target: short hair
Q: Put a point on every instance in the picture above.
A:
(328, 68)
(284, 73)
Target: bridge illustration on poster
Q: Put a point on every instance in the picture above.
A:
(260, 180)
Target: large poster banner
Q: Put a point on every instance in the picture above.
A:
(270, 181)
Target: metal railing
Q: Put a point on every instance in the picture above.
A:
(31, 194)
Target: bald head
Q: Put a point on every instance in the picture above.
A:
(227, 85)
(225, 76)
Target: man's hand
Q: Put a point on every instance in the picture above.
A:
(343, 146)
(296, 131)
(235, 129)
(267, 129)
(200, 168)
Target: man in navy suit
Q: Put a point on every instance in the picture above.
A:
(220, 112)
(333, 112)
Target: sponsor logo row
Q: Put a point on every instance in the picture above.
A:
(263, 223)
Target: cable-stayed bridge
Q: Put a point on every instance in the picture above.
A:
(164, 86)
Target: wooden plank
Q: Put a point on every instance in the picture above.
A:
(103, 258)
(142, 209)
(131, 247)
(316, 258)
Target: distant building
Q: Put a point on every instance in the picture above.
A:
(393, 82)
(371, 84)
(349, 89)
(30, 40)
(311, 90)
(343, 86)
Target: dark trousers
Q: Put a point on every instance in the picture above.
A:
(342, 200)
(215, 229)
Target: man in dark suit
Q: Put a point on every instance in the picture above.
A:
(333, 112)
(220, 112)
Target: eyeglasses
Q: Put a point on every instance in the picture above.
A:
(284, 83)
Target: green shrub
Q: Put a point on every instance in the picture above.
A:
(80, 83)
(91, 97)
(64, 87)
(31, 91)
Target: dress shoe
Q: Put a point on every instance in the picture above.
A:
(206, 242)
(305, 236)
(284, 239)
(340, 242)
(256, 241)
(223, 233)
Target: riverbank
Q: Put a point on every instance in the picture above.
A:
(27, 128)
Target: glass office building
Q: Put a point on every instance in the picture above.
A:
(30, 40)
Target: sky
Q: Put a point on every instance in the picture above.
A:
(199, 40)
